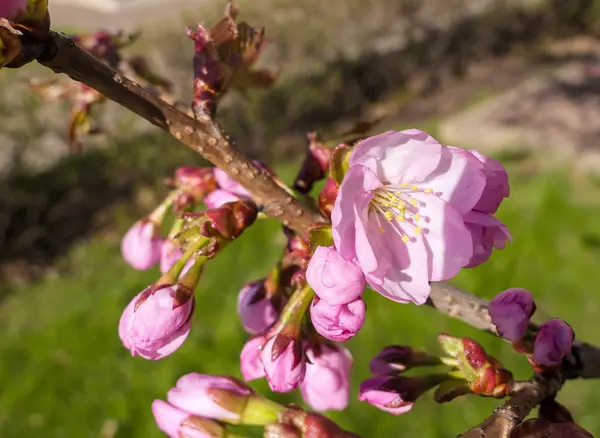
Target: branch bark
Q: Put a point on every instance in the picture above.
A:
(525, 396)
(205, 136)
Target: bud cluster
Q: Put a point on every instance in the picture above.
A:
(546, 346)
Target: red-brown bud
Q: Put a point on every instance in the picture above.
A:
(327, 197)
(315, 165)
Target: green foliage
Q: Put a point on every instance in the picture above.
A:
(64, 372)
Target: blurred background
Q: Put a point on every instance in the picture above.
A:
(518, 80)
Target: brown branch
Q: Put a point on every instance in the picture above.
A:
(204, 136)
(524, 397)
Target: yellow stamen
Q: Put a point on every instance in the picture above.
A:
(405, 238)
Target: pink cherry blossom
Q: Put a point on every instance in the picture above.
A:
(334, 279)
(487, 233)
(256, 309)
(382, 393)
(171, 420)
(193, 394)
(326, 384)
(141, 245)
(510, 311)
(217, 198)
(284, 371)
(338, 323)
(496, 185)
(151, 328)
(10, 9)
(399, 212)
(229, 184)
(553, 342)
(250, 363)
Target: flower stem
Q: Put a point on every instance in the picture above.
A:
(160, 213)
(172, 274)
(296, 307)
(260, 411)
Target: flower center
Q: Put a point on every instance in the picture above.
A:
(395, 204)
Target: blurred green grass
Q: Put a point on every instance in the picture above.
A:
(64, 372)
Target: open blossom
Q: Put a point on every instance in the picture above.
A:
(9, 9)
(177, 423)
(326, 385)
(338, 323)
(488, 233)
(151, 328)
(399, 212)
(334, 279)
(284, 369)
(198, 394)
(553, 342)
(141, 245)
(256, 309)
(510, 311)
(250, 363)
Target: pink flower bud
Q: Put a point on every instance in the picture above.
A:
(177, 423)
(217, 397)
(141, 245)
(9, 9)
(386, 393)
(217, 198)
(255, 308)
(335, 280)
(229, 184)
(398, 358)
(170, 252)
(487, 233)
(326, 384)
(250, 364)
(553, 342)
(510, 312)
(284, 363)
(338, 323)
(496, 184)
(150, 325)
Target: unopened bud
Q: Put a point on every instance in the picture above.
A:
(176, 422)
(315, 165)
(153, 325)
(399, 358)
(257, 310)
(510, 311)
(485, 374)
(397, 394)
(217, 397)
(284, 362)
(230, 220)
(327, 197)
(552, 343)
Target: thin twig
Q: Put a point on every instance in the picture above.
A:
(525, 396)
(205, 136)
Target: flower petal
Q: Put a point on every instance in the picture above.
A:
(357, 185)
(403, 156)
(459, 179)
(447, 239)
